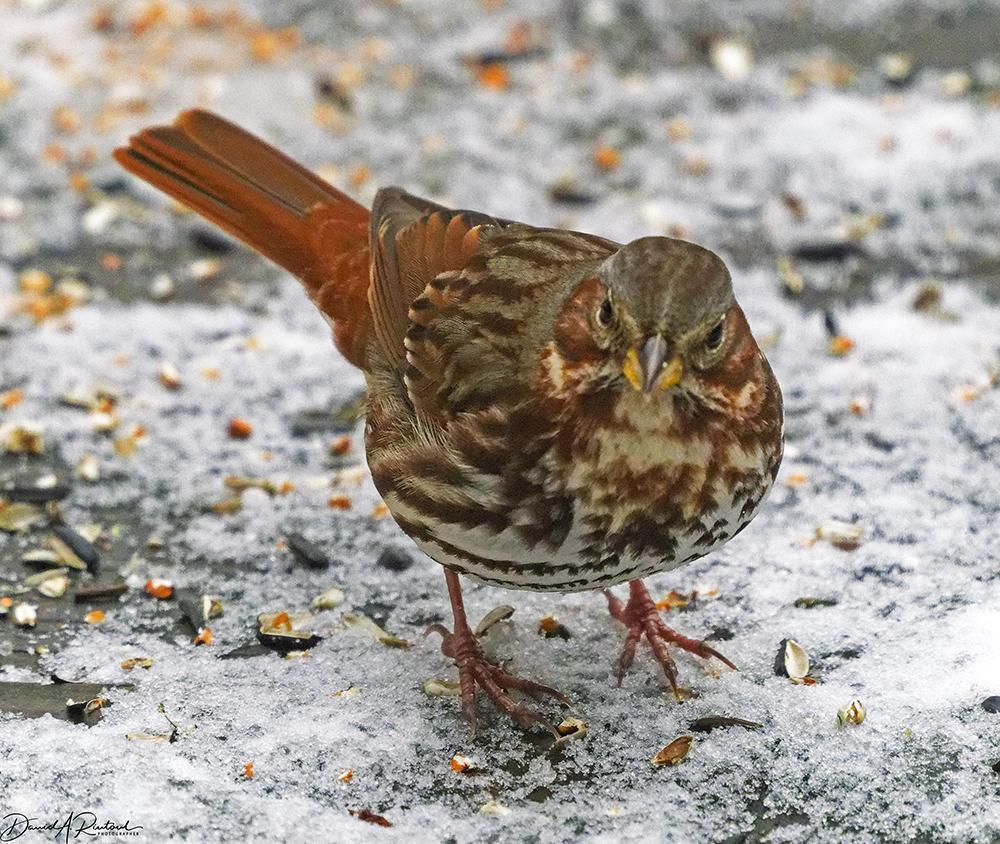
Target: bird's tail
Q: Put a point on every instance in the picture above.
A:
(270, 202)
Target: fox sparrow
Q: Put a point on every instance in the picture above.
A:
(547, 409)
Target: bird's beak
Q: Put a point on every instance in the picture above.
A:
(647, 366)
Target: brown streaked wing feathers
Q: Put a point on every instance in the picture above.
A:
(415, 240)
(267, 200)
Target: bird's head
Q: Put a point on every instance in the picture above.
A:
(657, 317)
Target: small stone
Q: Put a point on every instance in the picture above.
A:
(394, 559)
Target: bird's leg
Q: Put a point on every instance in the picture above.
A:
(474, 669)
(641, 617)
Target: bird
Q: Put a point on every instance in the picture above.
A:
(546, 409)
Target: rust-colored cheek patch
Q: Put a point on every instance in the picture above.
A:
(574, 335)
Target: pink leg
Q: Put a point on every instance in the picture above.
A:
(474, 669)
(640, 616)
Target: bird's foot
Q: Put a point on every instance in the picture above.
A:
(476, 669)
(640, 616)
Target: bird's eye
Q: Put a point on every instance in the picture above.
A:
(714, 338)
(605, 313)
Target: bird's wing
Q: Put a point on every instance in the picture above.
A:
(414, 240)
(477, 330)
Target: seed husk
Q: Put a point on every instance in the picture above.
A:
(675, 752)
(491, 807)
(137, 662)
(54, 587)
(436, 687)
(22, 438)
(842, 535)
(283, 632)
(494, 616)
(18, 516)
(197, 609)
(792, 660)
(853, 713)
(39, 578)
(571, 728)
(329, 598)
(25, 615)
(66, 556)
(359, 621)
(88, 469)
(80, 546)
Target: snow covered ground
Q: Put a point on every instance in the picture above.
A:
(785, 140)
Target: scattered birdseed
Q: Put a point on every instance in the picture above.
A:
(286, 632)
(345, 776)
(550, 627)
(843, 535)
(492, 807)
(607, 158)
(95, 617)
(18, 516)
(137, 662)
(436, 687)
(54, 587)
(240, 429)
(205, 269)
(73, 546)
(25, 615)
(22, 438)
(792, 661)
(462, 764)
(160, 589)
(493, 617)
(330, 598)
(675, 752)
(204, 637)
(88, 469)
(571, 728)
(162, 287)
(169, 376)
(359, 621)
(853, 713)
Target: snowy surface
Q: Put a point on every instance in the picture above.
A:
(899, 436)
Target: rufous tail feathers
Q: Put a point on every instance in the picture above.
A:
(259, 195)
